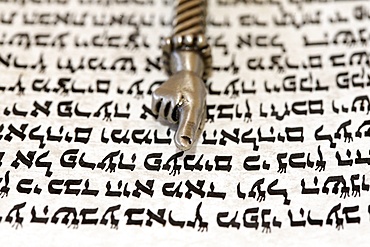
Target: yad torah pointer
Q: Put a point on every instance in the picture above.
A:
(187, 59)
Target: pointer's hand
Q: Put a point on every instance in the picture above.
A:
(181, 99)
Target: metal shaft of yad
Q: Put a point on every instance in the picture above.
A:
(187, 59)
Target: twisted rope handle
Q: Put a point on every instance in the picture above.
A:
(190, 18)
(189, 26)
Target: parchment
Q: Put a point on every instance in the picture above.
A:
(283, 158)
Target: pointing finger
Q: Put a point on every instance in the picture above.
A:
(189, 122)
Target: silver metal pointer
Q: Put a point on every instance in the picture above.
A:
(187, 59)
